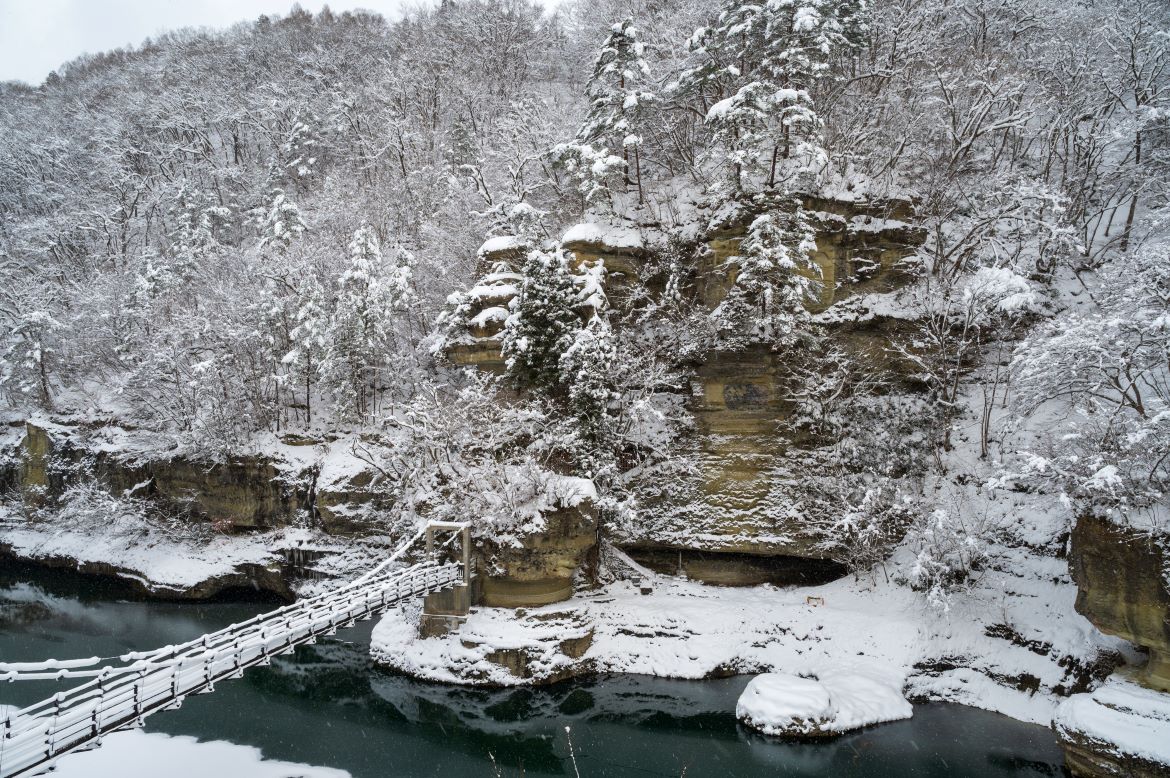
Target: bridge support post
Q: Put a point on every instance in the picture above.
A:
(444, 611)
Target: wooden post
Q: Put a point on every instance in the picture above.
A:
(466, 541)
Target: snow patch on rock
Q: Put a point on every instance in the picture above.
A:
(608, 235)
(1119, 718)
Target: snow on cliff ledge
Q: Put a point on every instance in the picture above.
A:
(607, 235)
(1119, 718)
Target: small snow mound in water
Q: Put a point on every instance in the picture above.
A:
(782, 704)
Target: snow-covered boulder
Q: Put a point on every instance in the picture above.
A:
(507, 249)
(1119, 729)
(788, 705)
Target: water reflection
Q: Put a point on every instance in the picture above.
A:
(327, 705)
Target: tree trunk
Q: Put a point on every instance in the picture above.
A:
(1137, 160)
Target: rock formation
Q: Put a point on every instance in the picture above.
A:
(749, 534)
(1123, 588)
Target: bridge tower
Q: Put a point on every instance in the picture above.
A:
(444, 611)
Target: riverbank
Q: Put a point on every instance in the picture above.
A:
(328, 711)
(1012, 644)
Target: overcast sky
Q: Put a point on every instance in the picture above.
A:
(38, 35)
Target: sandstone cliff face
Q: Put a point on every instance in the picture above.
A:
(245, 492)
(542, 570)
(1122, 588)
(737, 398)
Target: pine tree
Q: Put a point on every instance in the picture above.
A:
(586, 368)
(196, 219)
(358, 329)
(24, 361)
(760, 64)
(773, 278)
(273, 313)
(301, 151)
(309, 337)
(282, 223)
(617, 101)
(543, 322)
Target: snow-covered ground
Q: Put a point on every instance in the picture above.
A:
(1001, 646)
(138, 754)
(167, 562)
(160, 562)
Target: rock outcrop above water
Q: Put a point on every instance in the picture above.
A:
(1120, 729)
(784, 705)
(1123, 588)
(734, 526)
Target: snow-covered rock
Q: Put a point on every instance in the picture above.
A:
(1120, 728)
(607, 235)
(502, 243)
(783, 704)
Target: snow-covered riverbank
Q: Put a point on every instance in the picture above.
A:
(1012, 644)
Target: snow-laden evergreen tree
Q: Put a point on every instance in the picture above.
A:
(592, 167)
(773, 277)
(618, 100)
(28, 345)
(610, 139)
(273, 311)
(308, 338)
(281, 223)
(361, 326)
(543, 322)
(759, 64)
(301, 151)
(196, 220)
(586, 368)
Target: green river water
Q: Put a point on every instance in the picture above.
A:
(328, 706)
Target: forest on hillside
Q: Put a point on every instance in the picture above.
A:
(221, 236)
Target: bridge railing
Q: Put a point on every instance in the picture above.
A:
(119, 697)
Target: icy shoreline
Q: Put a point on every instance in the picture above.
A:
(1013, 645)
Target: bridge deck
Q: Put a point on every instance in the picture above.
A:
(120, 697)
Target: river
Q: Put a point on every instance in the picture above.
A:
(327, 706)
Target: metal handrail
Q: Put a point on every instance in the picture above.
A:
(120, 697)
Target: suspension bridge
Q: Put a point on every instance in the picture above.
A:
(118, 697)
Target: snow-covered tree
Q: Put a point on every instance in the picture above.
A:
(309, 337)
(1105, 369)
(754, 73)
(361, 328)
(586, 368)
(954, 317)
(543, 322)
(773, 275)
(302, 151)
(618, 100)
(196, 221)
(592, 167)
(281, 222)
(28, 348)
